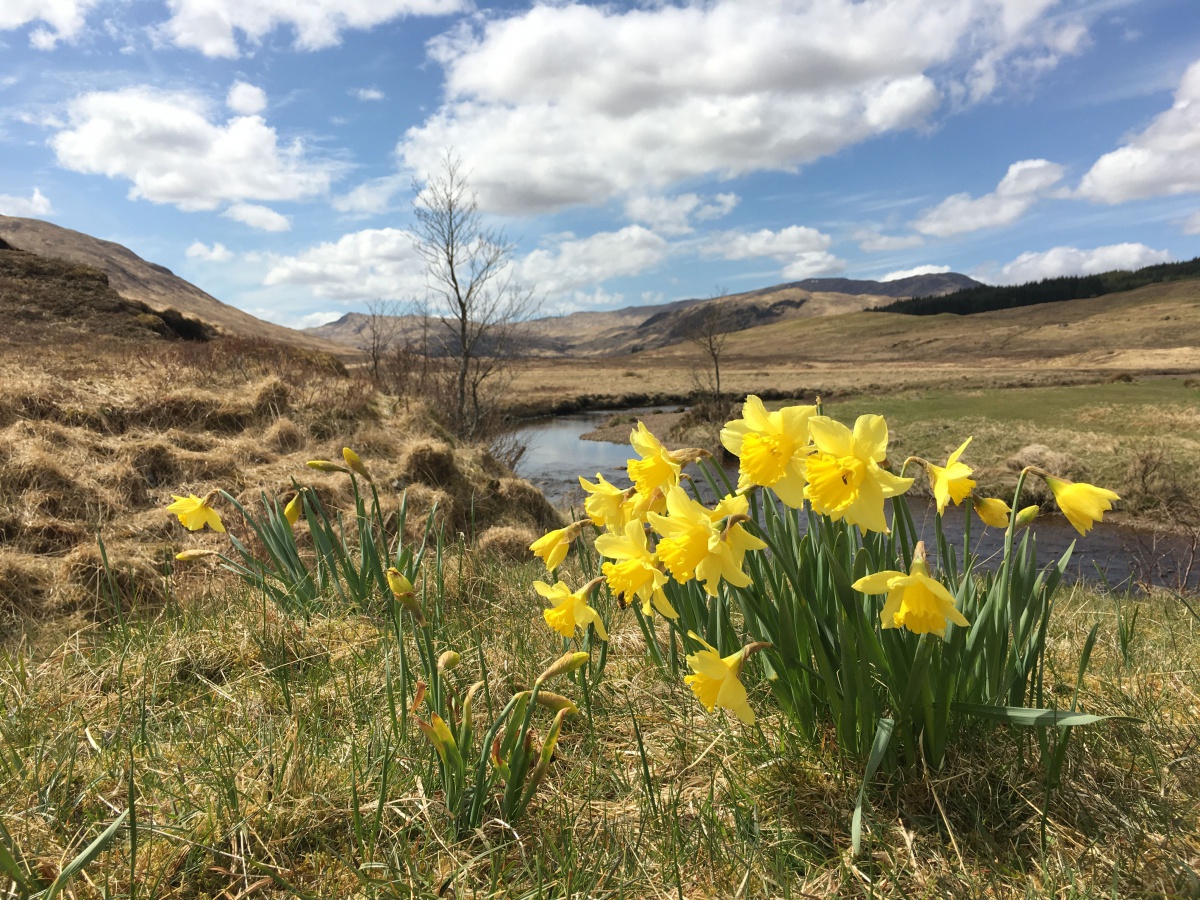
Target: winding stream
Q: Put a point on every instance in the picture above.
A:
(556, 456)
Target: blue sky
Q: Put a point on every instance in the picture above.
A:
(266, 150)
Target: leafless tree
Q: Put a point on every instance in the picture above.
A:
(709, 328)
(379, 333)
(474, 292)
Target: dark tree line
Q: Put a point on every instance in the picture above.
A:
(1049, 290)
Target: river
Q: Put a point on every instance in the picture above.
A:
(556, 456)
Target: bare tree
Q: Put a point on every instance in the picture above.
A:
(379, 332)
(709, 328)
(469, 273)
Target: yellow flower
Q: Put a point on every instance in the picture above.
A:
(552, 546)
(952, 481)
(716, 683)
(189, 555)
(638, 506)
(195, 513)
(993, 512)
(605, 504)
(570, 609)
(291, 512)
(636, 574)
(656, 469)
(693, 546)
(772, 448)
(400, 585)
(845, 480)
(324, 465)
(356, 464)
(914, 601)
(1082, 504)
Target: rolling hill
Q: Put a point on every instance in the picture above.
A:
(136, 279)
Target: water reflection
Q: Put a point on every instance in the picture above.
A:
(556, 457)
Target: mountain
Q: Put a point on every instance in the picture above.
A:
(136, 279)
(635, 328)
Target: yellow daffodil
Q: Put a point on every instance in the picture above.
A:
(694, 546)
(771, 447)
(845, 480)
(716, 682)
(1082, 504)
(655, 470)
(402, 592)
(189, 555)
(993, 512)
(951, 481)
(636, 572)
(552, 546)
(570, 608)
(295, 506)
(605, 504)
(638, 506)
(914, 601)
(194, 513)
(356, 464)
(324, 465)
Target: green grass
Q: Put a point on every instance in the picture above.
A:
(255, 748)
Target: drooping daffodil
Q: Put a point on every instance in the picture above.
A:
(636, 573)
(605, 503)
(694, 545)
(716, 681)
(570, 609)
(845, 479)
(654, 469)
(992, 511)
(915, 600)
(951, 481)
(195, 512)
(1082, 504)
(552, 546)
(771, 447)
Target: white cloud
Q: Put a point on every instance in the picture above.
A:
(1162, 160)
(1192, 224)
(1016, 193)
(261, 217)
(316, 319)
(803, 250)
(63, 19)
(368, 94)
(1060, 261)
(246, 99)
(35, 205)
(674, 215)
(567, 103)
(917, 270)
(210, 26)
(371, 197)
(167, 146)
(870, 240)
(216, 253)
(363, 265)
(571, 263)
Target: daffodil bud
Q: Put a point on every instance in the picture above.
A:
(356, 464)
(448, 661)
(991, 511)
(399, 584)
(291, 512)
(556, 702)
(1026, 516)
(568, 662)
(189, 555)
(324, 465)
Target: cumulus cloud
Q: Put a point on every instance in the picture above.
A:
(317, 319)
(216, 253)
(871, 240)
(246, 99)
(167, 145)
(1016, 193)
(363, 265)
(371, 197)
(916, 270)
(368, 94)
(261, 217)
(211, 26)
(675, 215)
(571, 263)
(1162, 160)
(568, 103)
(804, 251)
(1060, 261)
(62, 20)
(31, 207)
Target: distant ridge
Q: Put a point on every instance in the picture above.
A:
(912, 286)
(136, 279)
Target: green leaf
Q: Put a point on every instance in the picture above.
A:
(883, 737)
(84, 859)
(1023, 715)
